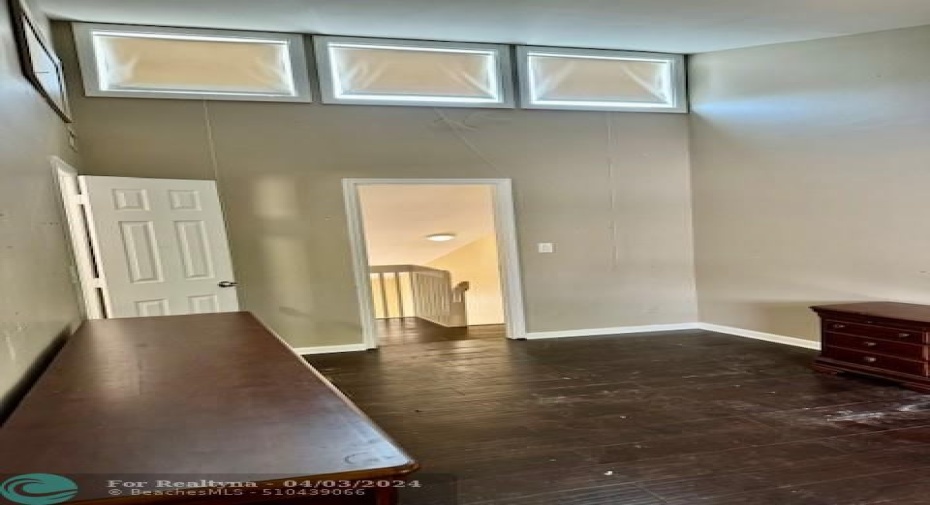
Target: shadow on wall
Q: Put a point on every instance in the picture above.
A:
(283, 259)
(790, 319)
(11, 400)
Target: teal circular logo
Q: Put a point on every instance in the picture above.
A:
(38, 489)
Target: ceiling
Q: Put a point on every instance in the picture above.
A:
(399, 217)
(679, 26)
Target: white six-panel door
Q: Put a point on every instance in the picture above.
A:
(160, 246)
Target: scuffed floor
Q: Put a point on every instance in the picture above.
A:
(678, 418)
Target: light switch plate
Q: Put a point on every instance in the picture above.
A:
(546, 247)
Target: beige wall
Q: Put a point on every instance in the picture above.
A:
(811, 168)
(477, 263)
(623, 229)
(37, 301)
(809, 162)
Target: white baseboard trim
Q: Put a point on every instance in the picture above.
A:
(621, 330)
(330, 349)
(758, 335)
(626, 330)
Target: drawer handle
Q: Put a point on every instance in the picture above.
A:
(904, 335)
(871, 344)
(869, 359)
(839, 326)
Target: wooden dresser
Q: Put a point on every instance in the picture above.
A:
(207, 409)
(879, 339)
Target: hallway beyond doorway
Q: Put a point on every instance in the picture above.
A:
(453, 262)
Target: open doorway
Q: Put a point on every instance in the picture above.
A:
(435, 260)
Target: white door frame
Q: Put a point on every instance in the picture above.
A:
(508, 252)
(73, 206)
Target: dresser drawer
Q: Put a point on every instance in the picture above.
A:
(878, 361)
(873, 345)
(871, 331)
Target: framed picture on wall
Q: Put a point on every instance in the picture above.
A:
(40, 64)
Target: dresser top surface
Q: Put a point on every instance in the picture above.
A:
(213, 394)
(889, 310)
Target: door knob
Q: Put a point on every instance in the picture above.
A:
(228, 284)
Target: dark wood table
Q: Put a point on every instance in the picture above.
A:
(195, 399)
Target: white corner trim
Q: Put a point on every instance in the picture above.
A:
(758, 335)
(330, 349)
(597, 332)
(621, 330)
(627, 330)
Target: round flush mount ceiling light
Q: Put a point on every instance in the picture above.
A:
(441, 237)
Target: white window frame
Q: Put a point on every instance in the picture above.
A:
(329, 78)
(678, 90)
(91, 71)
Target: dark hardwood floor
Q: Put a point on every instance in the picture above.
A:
(679, 418)
(411, 330)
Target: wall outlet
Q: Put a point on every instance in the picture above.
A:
(546, 248)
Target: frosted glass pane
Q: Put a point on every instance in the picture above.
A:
(366, 71)
(572, 79)
(198, 65)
